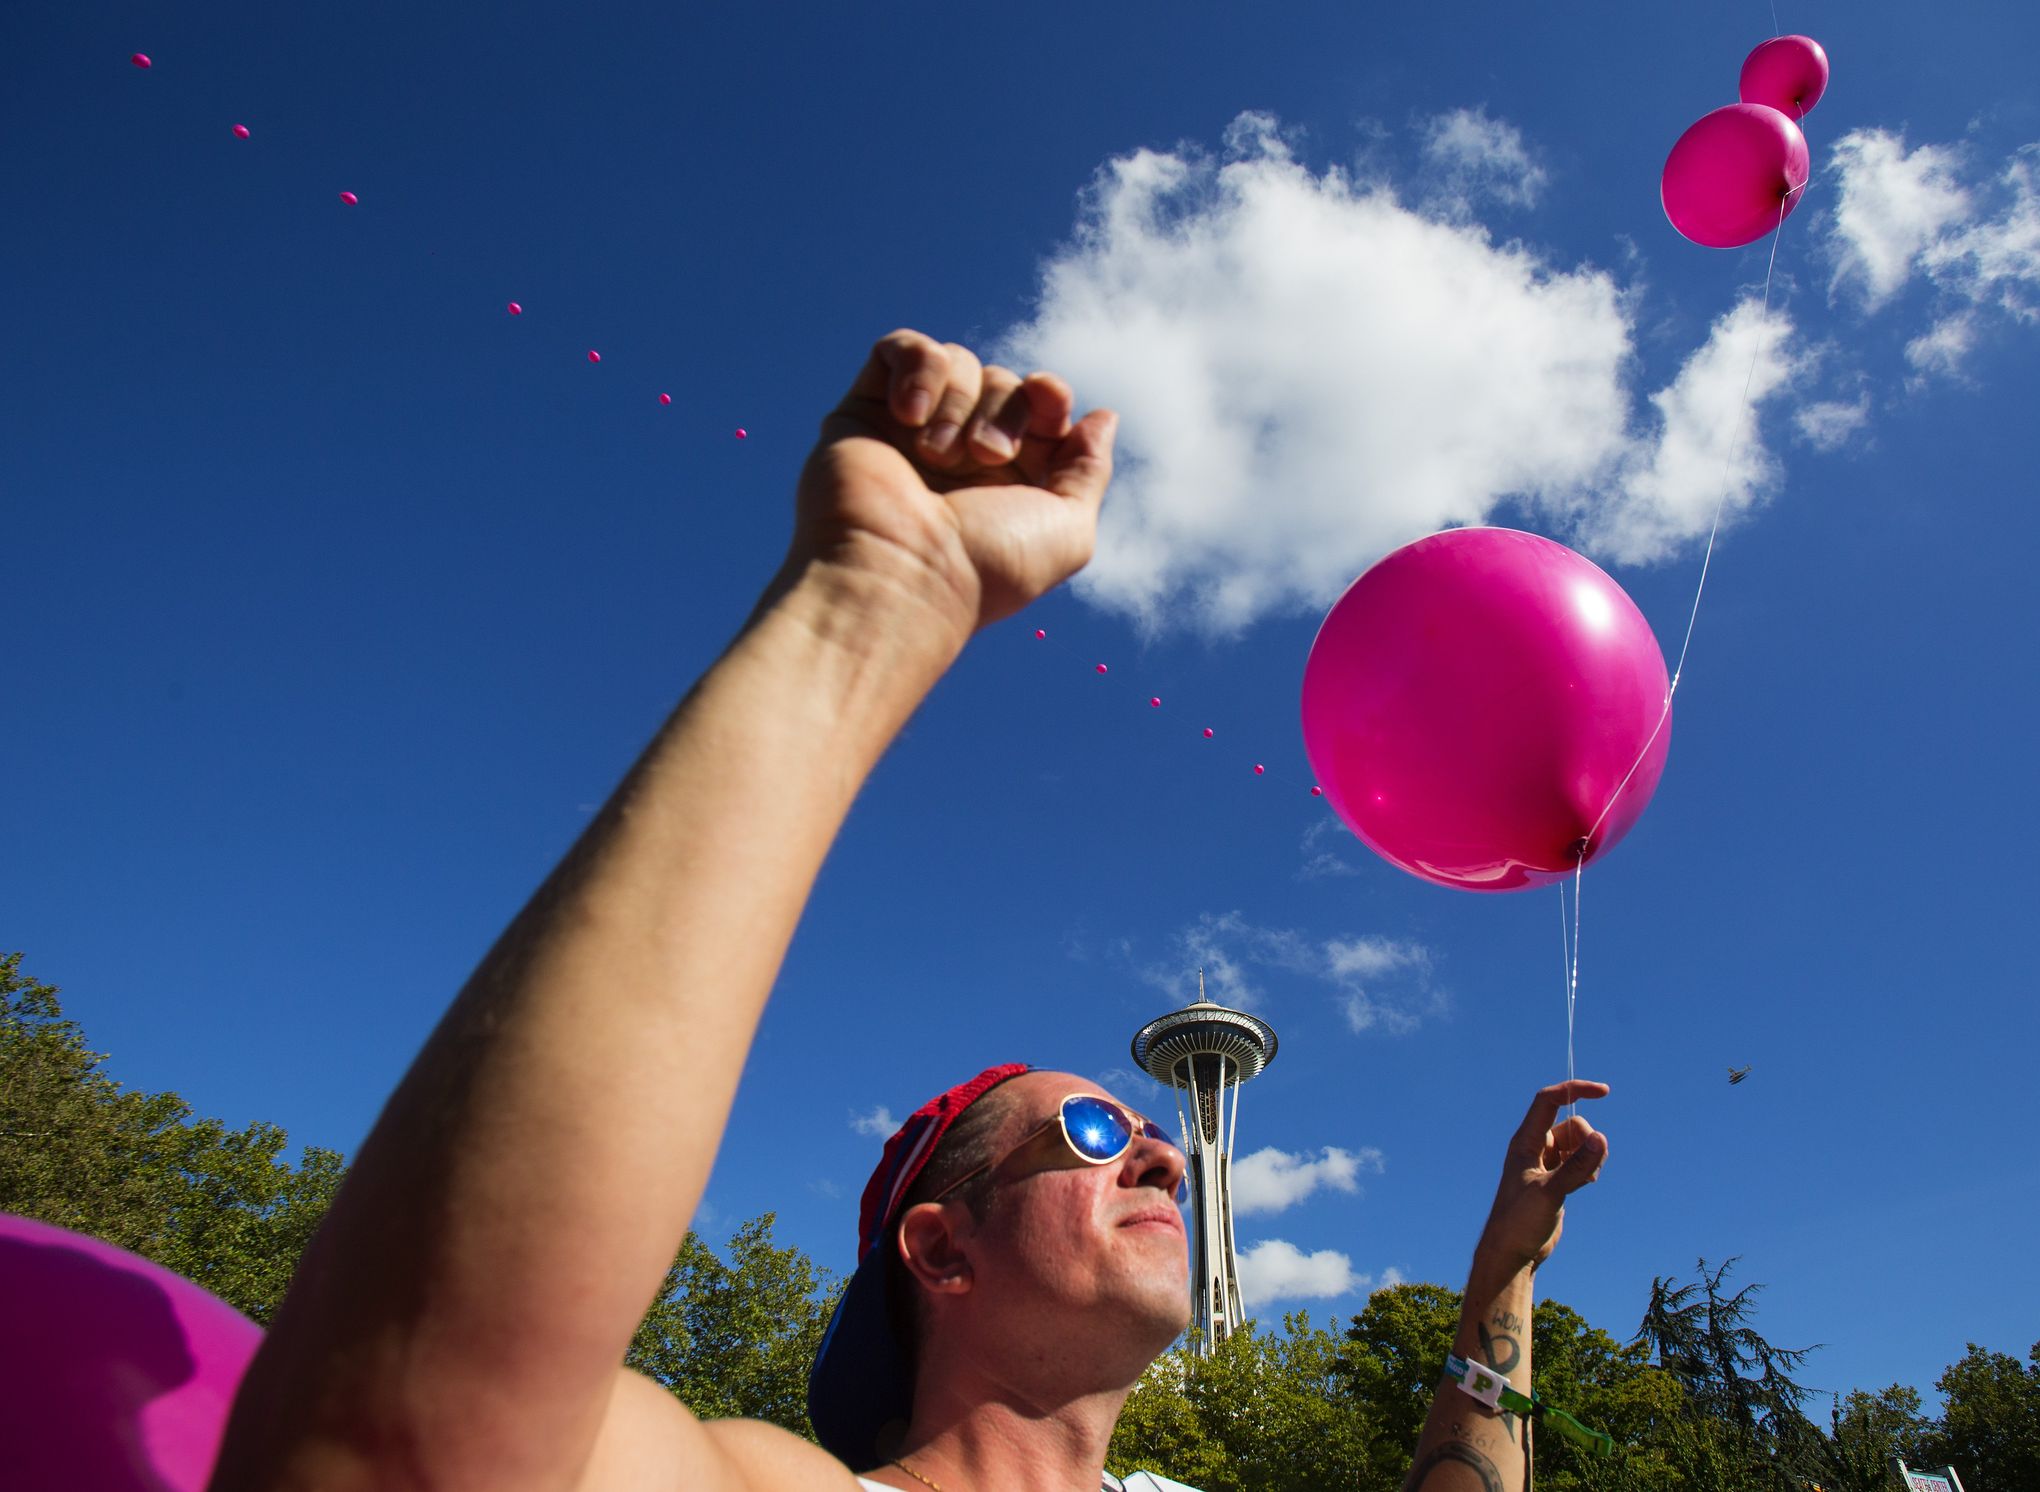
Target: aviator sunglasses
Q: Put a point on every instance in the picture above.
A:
(1094, 1132)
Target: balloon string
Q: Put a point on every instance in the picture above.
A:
(1572, 966)
(1714, 529)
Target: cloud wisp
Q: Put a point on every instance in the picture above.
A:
(1379, 983)
(1275, 1269)
(1312, 370)
(1272, 1180)
(1927, 214)
(879, 1123)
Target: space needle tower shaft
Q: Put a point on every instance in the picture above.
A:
(1204, 1052)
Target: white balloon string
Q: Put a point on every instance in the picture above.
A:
(1565, 974)
(1714, 529)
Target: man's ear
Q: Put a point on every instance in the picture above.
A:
(931, 1246)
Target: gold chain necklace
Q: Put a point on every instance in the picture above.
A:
(903, 1466)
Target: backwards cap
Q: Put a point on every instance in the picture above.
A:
(861, 1379)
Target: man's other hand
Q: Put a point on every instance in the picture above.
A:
(1549, 1159)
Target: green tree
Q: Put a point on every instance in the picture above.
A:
(215, 1205)
(1865, 1431)
(735, 1336)
(1735, 1380)
(1264, 1412)
(1990, 1426)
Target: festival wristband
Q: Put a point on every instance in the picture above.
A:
(1481, 1382)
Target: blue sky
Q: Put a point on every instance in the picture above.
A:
(336, 597)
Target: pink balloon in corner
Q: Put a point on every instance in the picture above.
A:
(515, 309)
(1475, 701)
(665, 398)
(240, 132)
(141, 59)
(350, 199)
(742, 433)
(118, 1374)
(594, 356)
(1789, 73)
(1734, 175)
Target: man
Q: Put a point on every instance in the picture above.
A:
(459, 1320)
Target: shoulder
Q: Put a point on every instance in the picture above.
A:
(649, 1442)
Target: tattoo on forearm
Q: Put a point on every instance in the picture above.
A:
(1459, 1454)
(1502, 1353)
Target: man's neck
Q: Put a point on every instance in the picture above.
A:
(976, 1437)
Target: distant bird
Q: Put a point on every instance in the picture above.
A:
(1737, 1074)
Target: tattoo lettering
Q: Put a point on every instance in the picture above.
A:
(1461, 1455)
(1508, 1321)
(1503, 1352)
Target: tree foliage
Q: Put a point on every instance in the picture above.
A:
(1698, 1398)
(216, 1205)
(735, 1336)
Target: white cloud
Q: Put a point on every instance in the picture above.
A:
(1827, 424)
(879, 1122)
(1312, 372)
(1468, 156)
(1379, 981)
(1319, 861)
(1707, 454)
(1975, 240)
(1890, 204)
(1271, 1180)
(1277, 1270)
(1943, 346)
(1390, 1278)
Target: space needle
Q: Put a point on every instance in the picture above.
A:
(1204, 1052)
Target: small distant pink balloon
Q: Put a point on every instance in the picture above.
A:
(1207, 732)
(240, 132)
(350, 199)
(742, 433)
(1789, 73)
(516, 309)
(1259, 769)
(1040, 633)
(1734, 176)
(594, 356)
(1155, 703)
(665, 398)
(141, 59)
(1317, 792)
(1101, 668)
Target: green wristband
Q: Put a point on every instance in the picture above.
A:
(1495, 1391)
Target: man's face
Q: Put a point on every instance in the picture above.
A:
(1103, 1242)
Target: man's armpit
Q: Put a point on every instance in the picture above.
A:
(650, 1442)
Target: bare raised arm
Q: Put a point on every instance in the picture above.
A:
(1466, 1446)
(460, 1318)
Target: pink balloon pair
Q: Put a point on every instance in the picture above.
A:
(1739, 171)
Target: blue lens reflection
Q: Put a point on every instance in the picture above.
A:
(1095, 1129)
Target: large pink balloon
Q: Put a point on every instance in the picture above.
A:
(1789, 73)
(115, 1375)
(1730, 174)
(1475, 700)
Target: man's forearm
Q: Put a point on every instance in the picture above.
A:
(1466, 1446)
(521, 1196)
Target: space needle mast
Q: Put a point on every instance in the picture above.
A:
(1204, 1052)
